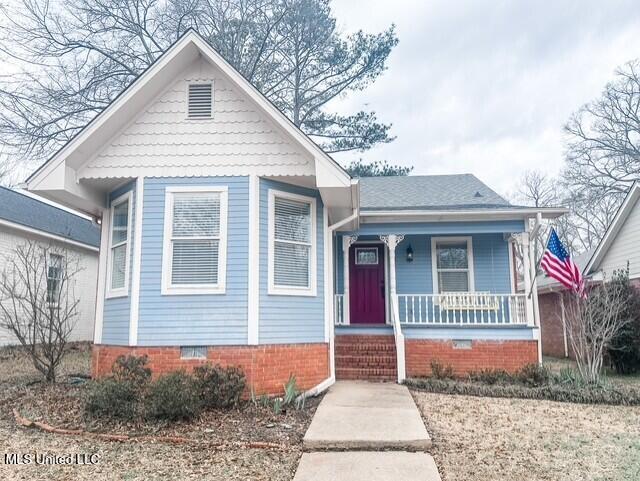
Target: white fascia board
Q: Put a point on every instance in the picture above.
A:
(458, 215)
(625, 209)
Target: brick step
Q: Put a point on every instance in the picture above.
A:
(366, 374)
(366, 361)
(365, 348)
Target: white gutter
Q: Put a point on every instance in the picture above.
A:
(515, 213)
(327, 383)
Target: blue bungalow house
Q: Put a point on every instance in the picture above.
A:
(229, 236)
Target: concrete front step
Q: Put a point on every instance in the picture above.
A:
(367, 466)
(367, 416)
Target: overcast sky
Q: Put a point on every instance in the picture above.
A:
(486, 86)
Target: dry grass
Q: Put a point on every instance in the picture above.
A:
(486, 439)
(61, 405)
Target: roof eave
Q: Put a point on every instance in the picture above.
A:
(465, 214)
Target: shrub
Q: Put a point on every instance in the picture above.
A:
(113, 399)
(219, 387)
(584, 393)
(624, 349)
(534, 375)
(491, 376)
(173, 397)
(131, 369)
(441, 371)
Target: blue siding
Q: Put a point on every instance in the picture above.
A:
(290, 319)
(206, 319)
(490, 259)
(444, 228)
(115, 323)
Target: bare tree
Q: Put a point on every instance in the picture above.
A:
(593, 323)
(603, 153)
(38, 303)
(76, 56)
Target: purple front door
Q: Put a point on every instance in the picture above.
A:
(366, 284)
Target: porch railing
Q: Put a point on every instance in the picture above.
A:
(338, 313)
(463, 308)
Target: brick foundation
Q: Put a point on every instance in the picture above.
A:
(267, 367)
(507, 355)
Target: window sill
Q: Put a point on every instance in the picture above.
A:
(116, 295)
(284, 291)
(192, 290)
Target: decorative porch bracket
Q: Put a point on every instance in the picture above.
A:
(392, 241)
(347, 242)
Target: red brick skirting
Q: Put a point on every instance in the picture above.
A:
(267, 367)
(507, 355)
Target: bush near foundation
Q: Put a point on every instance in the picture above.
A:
(111, 398)
(531, 382)
(219, 387)
(173, 397)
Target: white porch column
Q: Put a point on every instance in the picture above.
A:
(392, 241)
(347, 241)
(526, 271)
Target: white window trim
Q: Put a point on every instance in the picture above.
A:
(273, 289)
(50, 256)
(186, 100)
(122, 291)
(434, 260)
(167, 289)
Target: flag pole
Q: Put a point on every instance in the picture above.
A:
(534, 274)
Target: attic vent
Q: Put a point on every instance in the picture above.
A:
(200, 101)
(478, 194)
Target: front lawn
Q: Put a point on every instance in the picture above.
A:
(62, 405)
(488, 439)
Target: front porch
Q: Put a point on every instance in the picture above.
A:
(433, 294)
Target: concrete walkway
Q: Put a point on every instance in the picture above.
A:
(367, 431)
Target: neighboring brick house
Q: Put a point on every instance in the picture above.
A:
(619, 247)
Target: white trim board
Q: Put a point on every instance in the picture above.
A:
(136, 267)
(311, 290)
(124, 290)
(253, 293)
(167, 253)
(102, 276)
(434, 260)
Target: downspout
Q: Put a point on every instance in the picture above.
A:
(327, 383)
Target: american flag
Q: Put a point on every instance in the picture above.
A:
(557, 263)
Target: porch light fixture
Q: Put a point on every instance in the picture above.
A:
(409, 253)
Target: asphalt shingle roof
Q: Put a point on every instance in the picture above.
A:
(428, 192)
(22, 209)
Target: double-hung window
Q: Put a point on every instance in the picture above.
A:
(194, 257)
(452, 260)
(292, 244)
(119, 246)
(54, 277)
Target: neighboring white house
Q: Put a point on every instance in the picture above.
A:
(24, 218)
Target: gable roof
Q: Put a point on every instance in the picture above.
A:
(428, 192)
(619, 220)
(34, 214)
(55, 178)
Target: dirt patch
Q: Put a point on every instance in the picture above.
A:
(62, 405)
(485, 439)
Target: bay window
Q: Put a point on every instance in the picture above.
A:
(118, 281)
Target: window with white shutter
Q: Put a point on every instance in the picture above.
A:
(195, 240)
(452, 263)
(200, 100)
(292, 262)
(120, 233)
